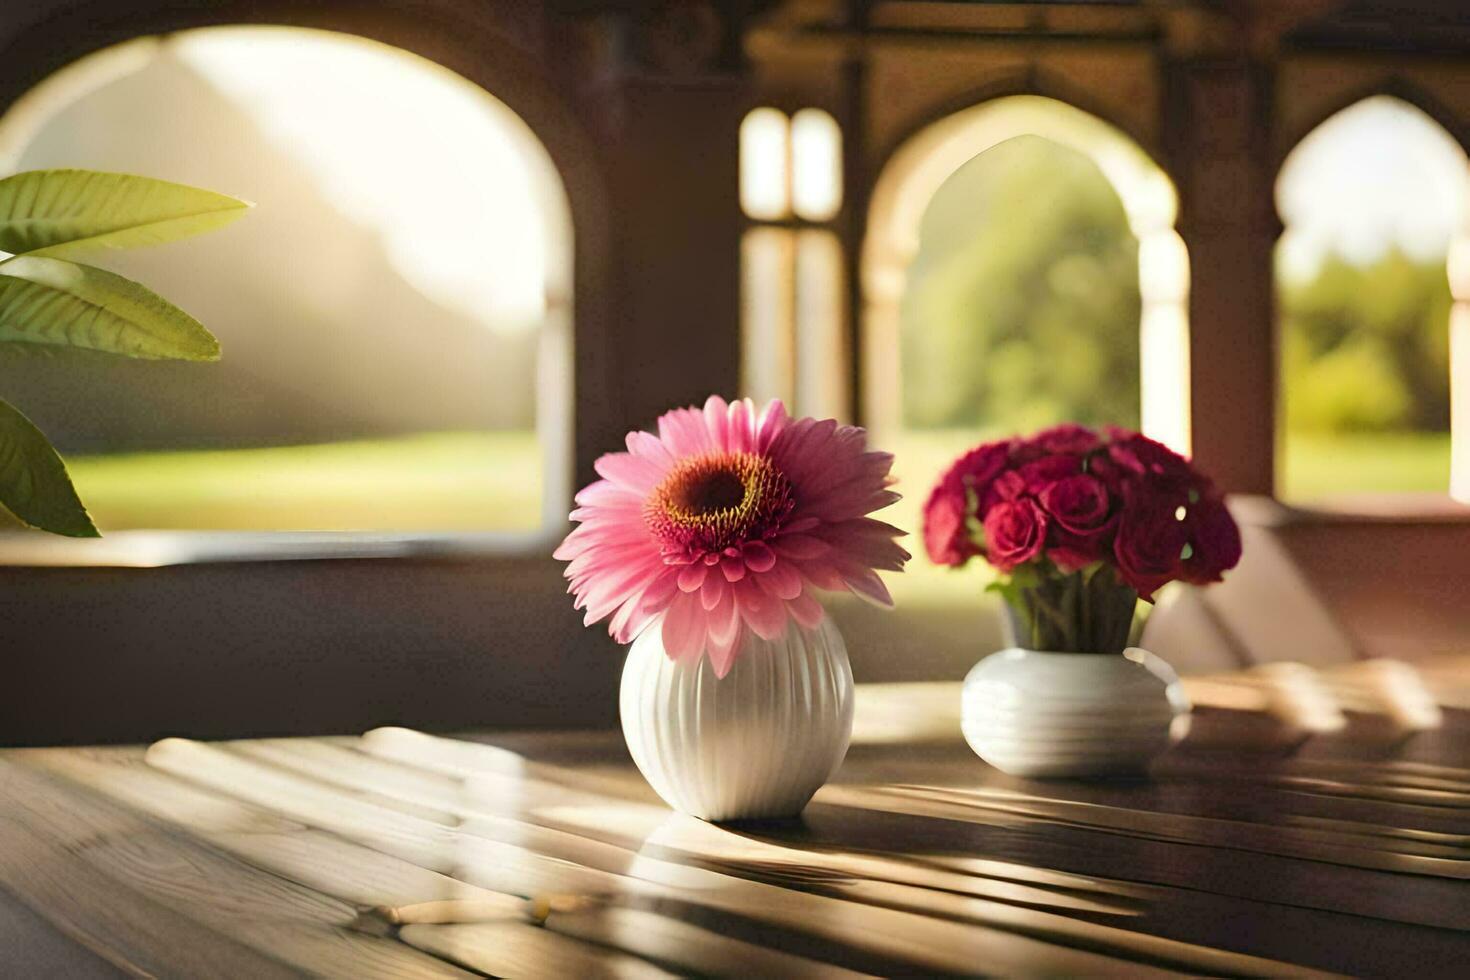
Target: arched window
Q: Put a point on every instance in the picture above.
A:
(395, 314)
(1021, 268)
(1374, 203)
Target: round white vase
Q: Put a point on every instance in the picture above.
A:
(1031, 713)
(754, 744)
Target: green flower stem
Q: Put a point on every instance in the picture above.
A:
(1088, 611)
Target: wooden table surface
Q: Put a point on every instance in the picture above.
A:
(1252, 851)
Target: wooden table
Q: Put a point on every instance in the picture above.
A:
(544, 854)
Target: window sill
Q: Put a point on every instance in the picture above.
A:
(153, 549)
(1354, 510)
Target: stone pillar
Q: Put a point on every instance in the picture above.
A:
(1217, 126)
(664, 102)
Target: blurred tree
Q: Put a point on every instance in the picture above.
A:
(1022, 307)
(1366, 348)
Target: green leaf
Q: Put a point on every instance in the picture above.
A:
(33, 481)
(63, 304)
(66, 212)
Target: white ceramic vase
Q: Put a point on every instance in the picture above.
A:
(1031, 713)
(754, 744)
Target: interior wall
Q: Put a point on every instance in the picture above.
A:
(645, 141)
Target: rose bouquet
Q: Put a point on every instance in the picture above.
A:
(1080, 524)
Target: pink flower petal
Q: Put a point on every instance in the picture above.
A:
(799, 546)
(651, 448)
(762, 613)
(734, 569)
(724, 620)
(759, 557)
(740, 431)
(604, 493)
(772, 423)
(717, 420)
(808, 611)
(867, 584)
(626, 470)
(691, 577)
(781, 580)
(683, 431)
(722, 655)
(824, 575)
(684, 629)
(714, 590)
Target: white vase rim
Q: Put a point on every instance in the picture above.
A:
(1070, 653)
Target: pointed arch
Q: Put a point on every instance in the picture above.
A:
(1380, 361)
(918, 168)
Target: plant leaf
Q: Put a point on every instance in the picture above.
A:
(34, 485)
(60, 303)
(66, 212)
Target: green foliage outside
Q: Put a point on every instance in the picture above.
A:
(444, 481)
(1022, 307)
(1365, 378)
(48, 301)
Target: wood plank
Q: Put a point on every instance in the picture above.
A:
(1321, 893)
(298, 926)
(34, 947)
(516, 951)
(1228, 862)
(1317, 843)
(932, 943)
(121, 924)
(871, 879)
(651, 935)
(353, 874)
(488, 801)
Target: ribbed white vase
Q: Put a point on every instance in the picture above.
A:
(754, 744)
(1031, 713)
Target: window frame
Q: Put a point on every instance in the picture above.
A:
(480, 46)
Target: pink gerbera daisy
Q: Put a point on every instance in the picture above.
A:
(727, 521)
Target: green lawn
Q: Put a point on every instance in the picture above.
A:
(1323, 467)
(455, 481)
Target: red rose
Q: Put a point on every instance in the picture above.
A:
(1069, 439)
(1015, 533)
(1080, 503)
(946, 531)
(945, 536)
(1214, 541)
(1009, 485)
(1141, 456)
(981, 465)
(1080, 508)
(1150, 542)
(1048, 470)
